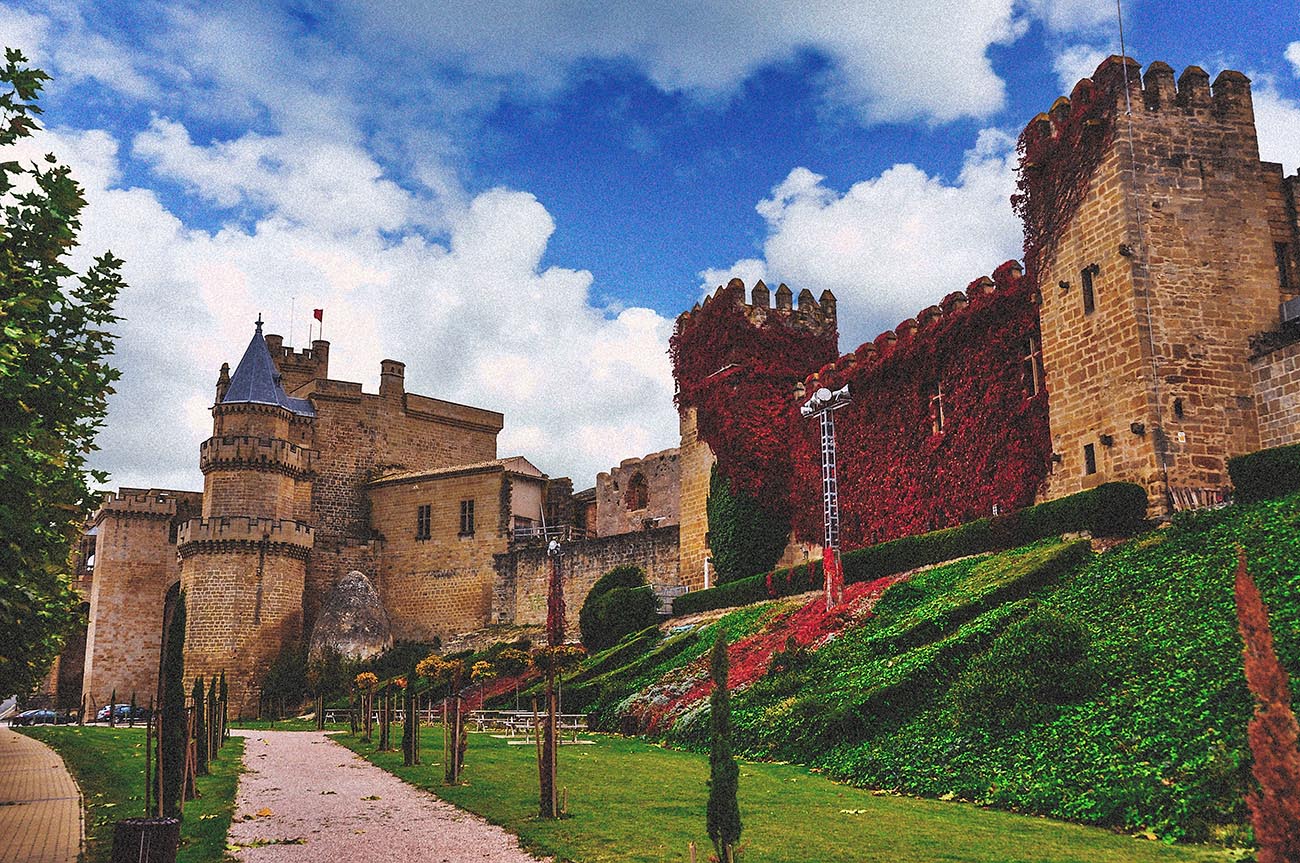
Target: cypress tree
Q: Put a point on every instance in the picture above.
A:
(130, 717)
(112, 710)
(214, 724)
(172, 735)
(224, 697)
(200, 728)
(724, 775)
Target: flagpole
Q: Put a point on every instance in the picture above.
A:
(293, 303)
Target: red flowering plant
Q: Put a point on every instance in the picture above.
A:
(807, 626)
(948, 419)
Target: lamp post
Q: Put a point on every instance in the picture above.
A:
(823, 404)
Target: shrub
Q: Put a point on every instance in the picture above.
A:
(626, 575)
(1274, 808)
(744, 538)
(1033, 664)
(1111, 509)
(619, 604)
(1266, 474)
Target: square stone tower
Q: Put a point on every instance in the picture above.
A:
(1160, 244)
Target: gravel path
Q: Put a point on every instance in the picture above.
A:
(306, 798)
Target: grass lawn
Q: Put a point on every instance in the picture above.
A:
(108, 764)
(634, 801)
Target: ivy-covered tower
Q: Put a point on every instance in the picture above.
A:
(735, 364)
(244, 562)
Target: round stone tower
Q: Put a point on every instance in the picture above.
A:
(243, 563)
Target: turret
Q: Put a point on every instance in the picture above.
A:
(392, 379)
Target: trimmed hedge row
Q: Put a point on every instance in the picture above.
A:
(1111, 509)
(1265, 474)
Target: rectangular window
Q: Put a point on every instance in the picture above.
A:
(1283, 274)
(1089, 459)
(423, 517)
(1031, 367)
(1089, 297)
(467, 518)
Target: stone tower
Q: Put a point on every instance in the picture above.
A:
(244, 562)
(1170, 250)
(134, 533)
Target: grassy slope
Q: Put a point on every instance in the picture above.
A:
(1159, 746)
(108, 764)
(634, 802)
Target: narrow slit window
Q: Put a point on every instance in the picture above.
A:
(1089, 293)
(1178, 408)
(1283, 274)
(1031, 367)
(936, 409)
(467, 518)
(423, 517)
(1089, 459)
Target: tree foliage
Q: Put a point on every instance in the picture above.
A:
(54, 384)
(744, 538)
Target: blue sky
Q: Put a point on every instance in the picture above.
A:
(517, 198)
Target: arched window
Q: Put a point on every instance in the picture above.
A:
(638, 493)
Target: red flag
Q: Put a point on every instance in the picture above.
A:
(318, 314)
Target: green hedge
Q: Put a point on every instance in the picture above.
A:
(1112, 509)
(1266, 474)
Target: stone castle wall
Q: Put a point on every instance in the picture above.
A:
(243, 581)
(1277, 390)
(440, 586)
(616, 510)
(696, 460)
(523, 575)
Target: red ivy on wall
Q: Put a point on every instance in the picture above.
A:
(740, 378)
(896, 475)
(1059, 153)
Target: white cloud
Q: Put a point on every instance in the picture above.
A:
(1293, 56)
(1076, 62)
(478, 320)
(1277, 122)
(312, 180)
(891, 245)
(883, 57)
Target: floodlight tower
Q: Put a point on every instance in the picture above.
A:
(824, 404)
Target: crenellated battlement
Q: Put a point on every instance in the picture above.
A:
(816, 316)
(834, 374)
(299, 367)
(246, 452)
(1095, 101)
(161, 504)
(234, 533)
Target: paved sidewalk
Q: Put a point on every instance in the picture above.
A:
(306, 799)
(40, 806)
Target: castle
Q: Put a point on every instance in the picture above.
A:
(1148, 337)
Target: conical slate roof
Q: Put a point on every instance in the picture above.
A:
(256, 381)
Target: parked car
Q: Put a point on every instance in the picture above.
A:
(122, 713)
(43, 716)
